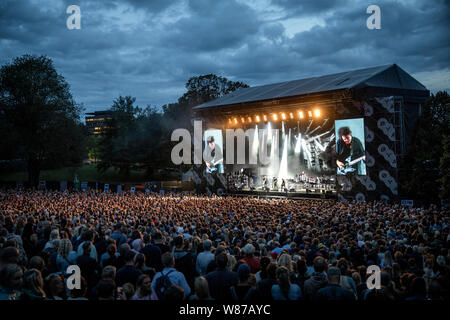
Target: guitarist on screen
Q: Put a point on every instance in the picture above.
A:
(213, 157)
(350, 152)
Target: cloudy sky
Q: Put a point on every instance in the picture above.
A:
(149, 49)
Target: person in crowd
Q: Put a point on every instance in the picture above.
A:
(333, 291)
(221, 280)
(201, 290)
(33, 285)
(11, 279)
(243, 291)
(284, 289)
(317, 280)
(144, 289)
(220, 234)
(169, 277)
(204, 258)
(129, 272)
(55, 287)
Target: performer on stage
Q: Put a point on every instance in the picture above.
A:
(283, 184)
(275, 183)
(349, 149)
(213, 157)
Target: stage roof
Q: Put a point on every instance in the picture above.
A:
(387, 76)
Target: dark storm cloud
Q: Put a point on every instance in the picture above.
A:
(149, 49)
(212, 26)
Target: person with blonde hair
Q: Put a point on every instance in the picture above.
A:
(201, 288)
(285, 260)
(65, 255)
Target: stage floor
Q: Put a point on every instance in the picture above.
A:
(316, 194)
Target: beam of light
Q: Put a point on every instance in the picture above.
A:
(309, 114)
(257, 118)
(275, 117)
(317, 113)
(309, 126)
(315, 129)
(282, 127)
(283, 172)
(289, 140)
(291, 115)
(283, 116)
(235, 121)
(255, 143)
(298, 144)
(306, 152)
(269, 132)
(316, 137)
(301, 115)
(265, 118)
(319, 145)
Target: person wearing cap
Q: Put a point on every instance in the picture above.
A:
(334, 291)
(243, 290)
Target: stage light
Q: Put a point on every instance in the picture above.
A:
(309, 114)
(298, 144)
(235, 121)
(249, 119)
(283, 116)
(317, 113)
(291, 115)
(230, 121)
(265, 118)
(257, 119)
(274, 117)
(242, 120)
(301, 115)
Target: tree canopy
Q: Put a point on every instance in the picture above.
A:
(39, 117)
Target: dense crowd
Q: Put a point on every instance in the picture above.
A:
(180, 247)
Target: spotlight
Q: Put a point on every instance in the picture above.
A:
(317, 113)
(242, 120)
(309, 114)
(301, 115)
(257, 119)
(249, 119)
(275, 117)
(235, 121)
(291, 115)
(230, 121)
(265, 118)
(283, 116)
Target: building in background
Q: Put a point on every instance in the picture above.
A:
(97, 122)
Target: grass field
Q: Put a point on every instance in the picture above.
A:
(87, 172)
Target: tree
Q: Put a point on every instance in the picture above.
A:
(421, 177)
(200, 90)
(445, 169)
(40, 116)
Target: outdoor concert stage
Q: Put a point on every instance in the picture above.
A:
(302, 194)
(345, 132)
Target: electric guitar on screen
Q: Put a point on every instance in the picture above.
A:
(213, 166)
(347, 168)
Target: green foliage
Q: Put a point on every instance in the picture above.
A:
(200, 90)
(39, 115)
(445, 169)
(424, 171)
(140, 138)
